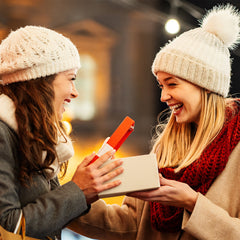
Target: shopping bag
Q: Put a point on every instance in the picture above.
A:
(6, 235)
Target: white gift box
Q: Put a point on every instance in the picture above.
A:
(140, 173)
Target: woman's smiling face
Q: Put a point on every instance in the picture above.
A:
(64, 90)
(182, 97)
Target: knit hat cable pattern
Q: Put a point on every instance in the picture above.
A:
(201, 55)
(32, 52)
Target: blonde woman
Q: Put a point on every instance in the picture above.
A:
(197, 148)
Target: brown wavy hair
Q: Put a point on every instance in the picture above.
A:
(38, 126)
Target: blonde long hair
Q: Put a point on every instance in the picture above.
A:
(178, 145)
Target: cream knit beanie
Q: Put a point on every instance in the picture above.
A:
(201, 55)
(32, 52)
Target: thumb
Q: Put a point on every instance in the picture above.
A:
(164, 181)
(160, 175)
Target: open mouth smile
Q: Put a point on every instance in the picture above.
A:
(176, 108)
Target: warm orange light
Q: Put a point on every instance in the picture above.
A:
(67, 116)
(67, 126)
(66, 120)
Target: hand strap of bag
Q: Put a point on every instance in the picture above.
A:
(23, 228)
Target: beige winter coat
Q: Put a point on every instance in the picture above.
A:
(216, 215)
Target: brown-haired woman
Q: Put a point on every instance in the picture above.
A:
(38, 68)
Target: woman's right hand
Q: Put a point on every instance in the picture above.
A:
(171, 193)
(94, 178)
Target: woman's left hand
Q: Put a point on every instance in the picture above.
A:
(170, 192)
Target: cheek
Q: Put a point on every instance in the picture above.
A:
(193, 100)
(58, 100)
(62, 92)
(196, 103)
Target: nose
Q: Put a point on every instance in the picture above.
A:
(165, 96)
(74, 93)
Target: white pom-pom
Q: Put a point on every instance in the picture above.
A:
(223, 21)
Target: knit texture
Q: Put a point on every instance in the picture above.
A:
(201, 55)
(200, 174)
(32, 52)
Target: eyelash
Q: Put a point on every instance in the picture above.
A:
(170, 84)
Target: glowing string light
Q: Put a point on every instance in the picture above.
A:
(172, 26)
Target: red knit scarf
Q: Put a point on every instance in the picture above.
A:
(200, 174)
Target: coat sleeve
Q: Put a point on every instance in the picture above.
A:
(209, 221)
(44, 215)
(53, 210)
(109, 222)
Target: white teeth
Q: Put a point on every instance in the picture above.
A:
(175, 106)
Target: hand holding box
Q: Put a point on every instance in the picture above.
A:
(140, 173)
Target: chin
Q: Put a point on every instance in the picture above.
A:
(181, 121)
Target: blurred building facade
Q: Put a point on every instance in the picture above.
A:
(117, 41)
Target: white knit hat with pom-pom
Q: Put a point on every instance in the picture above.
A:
(201, 55)
(32, 52)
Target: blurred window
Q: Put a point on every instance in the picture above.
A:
(83, 107)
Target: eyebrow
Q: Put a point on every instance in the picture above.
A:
(168, 78)
(72, 74)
